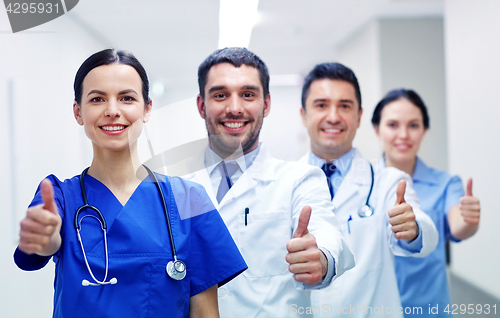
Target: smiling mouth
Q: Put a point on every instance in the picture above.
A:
(113, 128)
(332, 130)
(234, 125)
(402, 147)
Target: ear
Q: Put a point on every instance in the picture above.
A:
(267, 105)
(201, 106)
(303, 115)
(147, 112)
(77, 112)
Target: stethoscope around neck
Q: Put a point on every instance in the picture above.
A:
(176, 269)
(366, 210)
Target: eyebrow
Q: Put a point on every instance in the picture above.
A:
(221, 87)
(96, 91)
(252, 88)
(126, 91)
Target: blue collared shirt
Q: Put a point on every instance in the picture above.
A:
(342, 164)
(422, 281)
(213, 160)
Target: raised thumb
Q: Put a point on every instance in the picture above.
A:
(48, 196)
(400, 192)
(304, 217)
(469, 188)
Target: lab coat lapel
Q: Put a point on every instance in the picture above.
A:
(357, 177)
(344, 192)
(261, 170)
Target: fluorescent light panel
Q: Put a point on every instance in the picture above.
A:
(236, 21)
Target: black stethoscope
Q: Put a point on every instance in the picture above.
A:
(176, 269)
(366, 210)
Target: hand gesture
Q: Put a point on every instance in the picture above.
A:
(469, 206)
(40, 228)
(401, 216)
(307, 261)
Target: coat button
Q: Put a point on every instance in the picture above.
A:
(222, 291)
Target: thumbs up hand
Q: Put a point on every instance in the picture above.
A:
(469, 206)
(40, 228)
(307, 262)
(401, 216)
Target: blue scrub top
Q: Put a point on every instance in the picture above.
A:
(139, 250)
(422, 281)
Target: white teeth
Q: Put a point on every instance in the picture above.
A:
(332, 130)
(233, 125)
(403, 147)
(113, 128)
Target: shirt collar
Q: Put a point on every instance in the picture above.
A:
(212, 159)
(423, 173)
(342, 163)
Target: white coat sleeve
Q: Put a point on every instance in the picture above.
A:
(428, 236)
(311, 189)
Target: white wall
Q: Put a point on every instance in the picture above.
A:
(41, 65)
(361, 53)
(472, 46)
(412, 56)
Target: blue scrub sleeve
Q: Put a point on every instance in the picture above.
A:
(454, 191)
(215, 257)
(35, 262)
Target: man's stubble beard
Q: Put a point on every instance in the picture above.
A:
(227, 145)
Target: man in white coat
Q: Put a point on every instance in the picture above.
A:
(278, 213)
(378, 210)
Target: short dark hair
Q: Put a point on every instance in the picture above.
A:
(235, 56)
(333, 71)
(396, 94)
(107, 57)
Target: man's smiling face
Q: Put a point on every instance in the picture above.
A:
(234, 107)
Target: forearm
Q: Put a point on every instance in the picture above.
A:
(204, 304)
(458, 227)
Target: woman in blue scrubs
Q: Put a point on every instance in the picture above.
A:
(122, 273)
(400, 121)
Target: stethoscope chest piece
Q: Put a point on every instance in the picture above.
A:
(176, 269)
(365, 211)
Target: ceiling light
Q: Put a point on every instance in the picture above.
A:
(236, 21)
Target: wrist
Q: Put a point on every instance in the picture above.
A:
(324, 264)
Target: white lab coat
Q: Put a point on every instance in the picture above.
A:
(275, 192)
(372, 283)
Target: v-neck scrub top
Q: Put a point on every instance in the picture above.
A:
(139, 249)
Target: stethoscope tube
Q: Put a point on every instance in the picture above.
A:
(175, 269)
(367, 210)
(78, 226)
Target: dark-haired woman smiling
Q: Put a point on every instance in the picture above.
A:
(400, 121)
(122, 272)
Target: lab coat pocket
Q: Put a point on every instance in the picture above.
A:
(262, 242)
(367, 239)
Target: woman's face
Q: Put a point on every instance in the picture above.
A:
(112, 108)
(401, 130)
